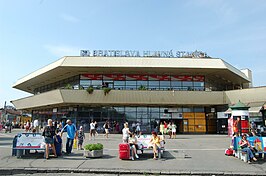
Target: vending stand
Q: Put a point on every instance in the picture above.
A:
(239, 110)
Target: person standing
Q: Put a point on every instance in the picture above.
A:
(134, 127)
(81, 137)
(71, 135)
(117, 128)
(36, 125)
(125, 133)
(92, 129)
(162, 128)
(106, 128)
(49, 136)
(173, 130)
(165, 127)
(237, 127)
(138, 129)
(169, 130)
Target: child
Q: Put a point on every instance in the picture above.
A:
(133, 145)
(81, 137)
(58, 143)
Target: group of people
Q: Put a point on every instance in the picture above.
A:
(53, 137)
(130, 137)
(168, 128)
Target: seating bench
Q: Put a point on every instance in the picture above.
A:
(144, 144)
(24, 142)
(257, 142)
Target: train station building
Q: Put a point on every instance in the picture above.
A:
(192, 91)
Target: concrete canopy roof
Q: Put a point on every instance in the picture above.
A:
(74, 65)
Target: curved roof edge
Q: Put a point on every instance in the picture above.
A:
(40, 71)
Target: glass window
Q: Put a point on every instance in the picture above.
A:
(96, 84)
(198, 84)
(142, 83)
(154, 109)
(131, 109)
(131, 85)
(85, 83)
(142, 109)
(188, 109)
(120, 85)
(198, 109)
(165, 85)
(187, 83)
(154, 85)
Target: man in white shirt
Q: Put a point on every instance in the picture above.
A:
(92, 129)
(36, 125)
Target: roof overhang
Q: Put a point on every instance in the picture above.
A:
(75, 65)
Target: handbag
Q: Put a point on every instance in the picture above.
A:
(75, 144)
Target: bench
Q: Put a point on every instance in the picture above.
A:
(144, 144)
(259, 143)
(24, 142)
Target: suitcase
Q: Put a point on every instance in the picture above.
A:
(124, 151)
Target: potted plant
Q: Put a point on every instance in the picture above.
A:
(142, 88)
(68, 86)
(90, 90)
(106, 90)
(93, 150)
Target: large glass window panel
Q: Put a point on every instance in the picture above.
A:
(154, 85)
(142, 115)
(131, 85)
(155, 115)
(154, 109)
(85, 83)
(198, 84)
(120, 85)
(142, 83)
(187, 83)
(130, 116)
(130, 109)
(142, 109)
(198, 109)
(96, 83)
(188, 109)
(165, 85)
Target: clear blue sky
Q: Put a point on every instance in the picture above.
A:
(34, 33)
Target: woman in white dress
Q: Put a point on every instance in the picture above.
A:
(173, 131)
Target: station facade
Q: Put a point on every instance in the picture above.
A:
(194, 93)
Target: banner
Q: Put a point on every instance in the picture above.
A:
(30, 141)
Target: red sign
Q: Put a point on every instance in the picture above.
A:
(160, 77)
(198, 78)
(118, 77)
(183, 78)
(93, 76)
(137, 77)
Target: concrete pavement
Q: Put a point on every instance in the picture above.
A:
(186, 155)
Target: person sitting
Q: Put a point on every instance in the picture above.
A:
(246, 147)
(162, 139)
(133, 145)
(155, 142)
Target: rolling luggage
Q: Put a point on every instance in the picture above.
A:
(124, 151)
(58, 145)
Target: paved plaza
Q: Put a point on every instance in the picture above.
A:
(186, 155)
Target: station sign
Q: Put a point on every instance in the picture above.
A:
(135, 53)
